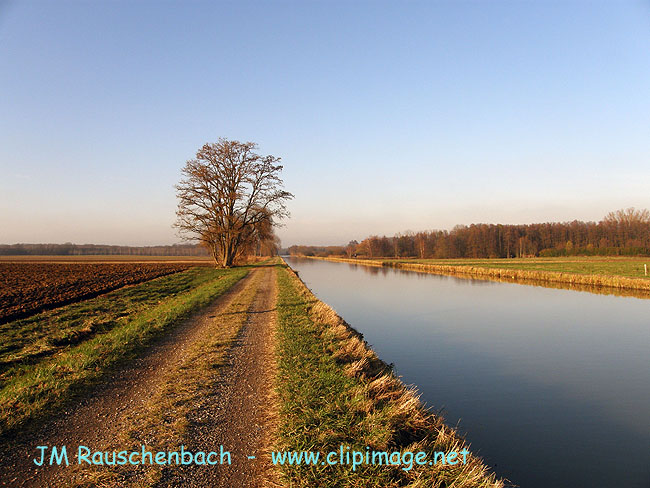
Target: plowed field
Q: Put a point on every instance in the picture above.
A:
(28, 288)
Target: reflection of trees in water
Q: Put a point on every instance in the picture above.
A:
(371, 269)
(600, 290)
(464, 279)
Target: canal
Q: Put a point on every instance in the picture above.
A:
(551, 387)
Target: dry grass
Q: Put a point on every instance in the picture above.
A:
(589, 280)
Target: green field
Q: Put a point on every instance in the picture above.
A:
(626, 267)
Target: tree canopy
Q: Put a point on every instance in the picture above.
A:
(229, 199)
(623, 232)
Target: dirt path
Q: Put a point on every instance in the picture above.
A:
(99, 418)
(238, 415)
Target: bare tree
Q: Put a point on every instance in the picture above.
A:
(351, 248)
(628, 216)
(628, 226)
(230, 198)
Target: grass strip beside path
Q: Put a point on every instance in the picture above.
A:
(34, 390)
(335, 391)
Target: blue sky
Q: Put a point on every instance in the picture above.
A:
(388, 116)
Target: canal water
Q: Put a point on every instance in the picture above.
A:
(551, 387)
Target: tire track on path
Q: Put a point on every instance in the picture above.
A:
(241, 412)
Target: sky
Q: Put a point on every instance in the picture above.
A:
(388, 116)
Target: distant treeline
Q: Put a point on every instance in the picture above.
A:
(69, 249)
(621, 233)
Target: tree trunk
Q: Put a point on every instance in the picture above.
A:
(228, 255)
(214, 250)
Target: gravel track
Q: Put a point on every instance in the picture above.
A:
(240, 414)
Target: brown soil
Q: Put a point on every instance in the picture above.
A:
(28, 288)
(238, 416)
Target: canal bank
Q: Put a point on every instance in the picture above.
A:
(550, 387)
(337, 396)
(594, 283)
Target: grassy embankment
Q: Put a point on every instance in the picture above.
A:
(48, 358)
(615, 273)
(335, 391)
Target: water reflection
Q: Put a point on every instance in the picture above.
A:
(551, 386)
(466, 279)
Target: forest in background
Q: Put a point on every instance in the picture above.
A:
(625, 232)
(267, 247)
(69, 249)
